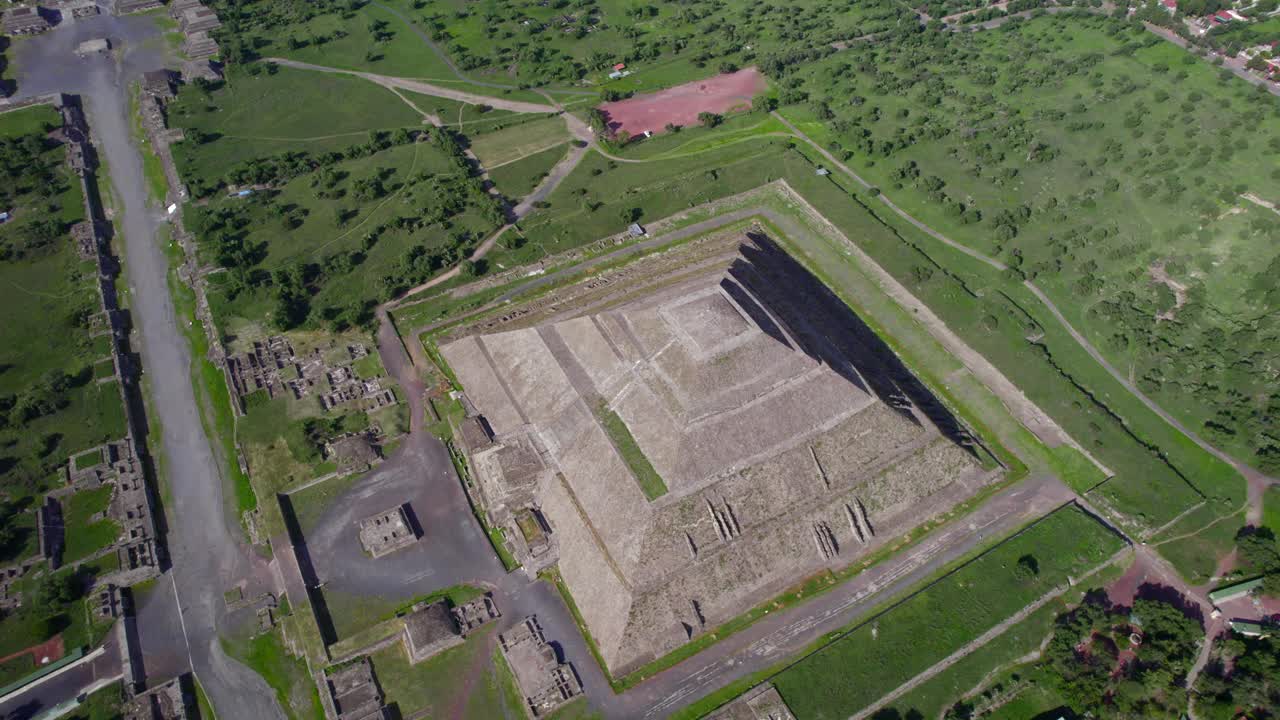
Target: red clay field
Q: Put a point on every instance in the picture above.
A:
(681, 104)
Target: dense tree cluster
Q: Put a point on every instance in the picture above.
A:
(1094, 663)
(31, 186)
(1242, 679)
(1258, 554)
(561, 41)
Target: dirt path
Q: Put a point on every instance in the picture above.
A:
(562, 169)
(422, 87)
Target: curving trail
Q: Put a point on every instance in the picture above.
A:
(1257, 481)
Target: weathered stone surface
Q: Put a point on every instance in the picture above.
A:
(789, 438)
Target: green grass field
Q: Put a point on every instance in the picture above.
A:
(103, 704)
(519, 177)
(471, 679)
(85, 536)
(889, 649)
(287, 676)
(521, 141)
(253, 116)
(29, 626)
(352, 613)
(994, 663)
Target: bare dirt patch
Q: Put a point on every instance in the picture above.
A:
(1160, 275)
(681, 104)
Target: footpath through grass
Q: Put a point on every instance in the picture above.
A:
(889, 649)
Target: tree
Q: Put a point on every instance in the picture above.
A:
(763, 103)
(597, 120)
(709, 119)
(1257, 549)
(1027, 568)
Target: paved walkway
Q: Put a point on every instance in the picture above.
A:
(205, 543)
(423, 87)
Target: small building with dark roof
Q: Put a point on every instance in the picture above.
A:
(355, 692)
(158, 83)
(476, 434)
(430, 629)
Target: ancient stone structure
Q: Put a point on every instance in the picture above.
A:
(355, 692)
(24, 21)
(199, 46)
(158, 83)
(545, 682)
(352, 452)
(387, 532)
(202, 68)
(169, 701)
(475, 613)
(198, 18)
(77, 9)
(788, 438)
(273, 366)
(85, 239)
(96, 46)
(761, 703)
(125, 7)
(430, 629)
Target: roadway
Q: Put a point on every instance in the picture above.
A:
(205, 546)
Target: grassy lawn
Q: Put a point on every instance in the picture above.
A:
(518, 178)
(27, 627)
(601, 196)
(352, 613)
(471, 679)
(254, 116)
(887, 650)
(1196, 557)
(585, 41)
(309, 504)
(85, 537)
(393, 50)
(650, 482)
(17, 668)
(104, 704)
(526, 139)
(287, 676)
(1271, 509)
(975, 670)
